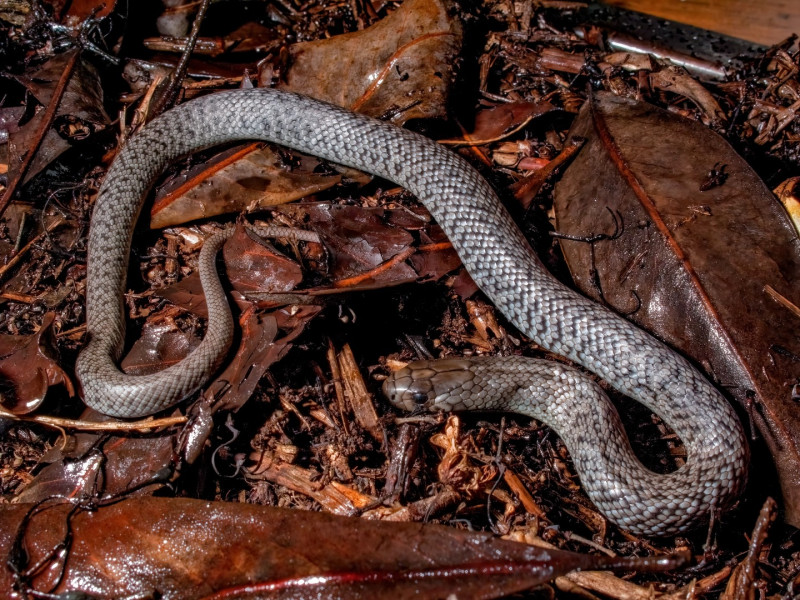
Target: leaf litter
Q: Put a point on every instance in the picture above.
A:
(307, 430)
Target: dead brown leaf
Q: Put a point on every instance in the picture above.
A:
(496, 122)
(266, 338)
(72, 101)
(691, 266)
(180, 548)
(401, 67)
(161, 344)
(253, 265)
(362, 243)
(28, 364)
(91, 464)
(244, 179)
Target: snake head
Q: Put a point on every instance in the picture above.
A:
(429, 385)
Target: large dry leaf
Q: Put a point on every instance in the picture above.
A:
(714, 260)
(402, 67)
(244, 179)
(179, 548)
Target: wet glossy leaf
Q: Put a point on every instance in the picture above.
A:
(27, 364)
(161, 344)
(89, 463)
(179, 548)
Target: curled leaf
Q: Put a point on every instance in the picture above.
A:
(28, 364)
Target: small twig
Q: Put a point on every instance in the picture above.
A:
(171, 93)
(498, 461)
(780, 299)
(24, 251)
(45, 124)
(587, 542)
(80, 425)
(526, 189)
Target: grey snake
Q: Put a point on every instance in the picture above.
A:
(499, 259)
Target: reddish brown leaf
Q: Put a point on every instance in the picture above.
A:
(252, 265)
(75, 12)
(261, 347)
(244, 179)
(160, 345)
(68, 88)
(401, 67)
(361, 241)
(27, 363)
(495, 122)
(179, 548)
(92, 463)
(187, 294)
(702, 263)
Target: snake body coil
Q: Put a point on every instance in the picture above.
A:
(493, 250)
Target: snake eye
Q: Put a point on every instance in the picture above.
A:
(419, 397)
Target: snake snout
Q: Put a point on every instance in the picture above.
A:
(407, 389)
(429, 385)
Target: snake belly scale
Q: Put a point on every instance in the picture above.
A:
(494, 252)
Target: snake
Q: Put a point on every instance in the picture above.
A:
(502, 263)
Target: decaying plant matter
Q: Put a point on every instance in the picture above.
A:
(295, 420)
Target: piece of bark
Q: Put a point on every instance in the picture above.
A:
(356, 392)
(693, 267)
(335, 497)
(788, 192)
